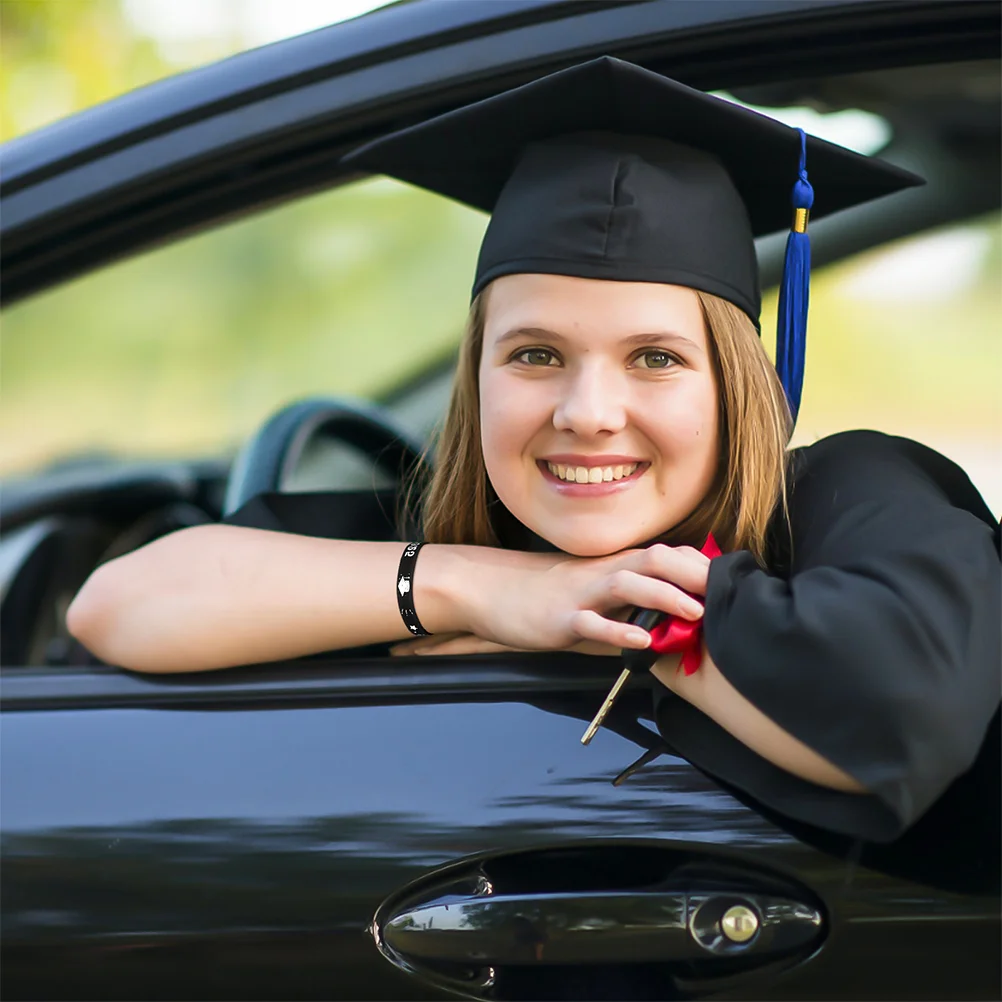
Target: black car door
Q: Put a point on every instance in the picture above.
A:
(295, 831)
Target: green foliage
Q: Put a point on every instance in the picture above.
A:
(186, 349)
(62, 55)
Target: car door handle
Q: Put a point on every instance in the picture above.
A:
(601, 927)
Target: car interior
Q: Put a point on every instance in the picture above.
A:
(60, 523)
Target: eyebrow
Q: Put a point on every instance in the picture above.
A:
(634, 340)
(517, 332)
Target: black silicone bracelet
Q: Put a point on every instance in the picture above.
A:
(405, 590)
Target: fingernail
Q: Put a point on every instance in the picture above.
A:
(692, 607)
(639, 637)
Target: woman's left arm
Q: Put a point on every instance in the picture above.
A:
(707, 690)
(877, 654)
(711, 693)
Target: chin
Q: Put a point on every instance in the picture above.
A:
(590, 543)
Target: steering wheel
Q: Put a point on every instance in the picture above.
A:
(270, 457)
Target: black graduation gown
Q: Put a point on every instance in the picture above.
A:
(874, 638)
(876, 642)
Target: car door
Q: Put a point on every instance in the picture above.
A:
(234, 835)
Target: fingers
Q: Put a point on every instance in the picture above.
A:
(680, 565)
(448, 644)
(595, 649)
(469, 644)
(407, 648)
(589, 625)
(630, 588)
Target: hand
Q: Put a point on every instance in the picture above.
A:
(444, 644)
(522, 601)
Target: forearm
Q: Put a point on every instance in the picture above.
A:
(710, 692)
(216, 596)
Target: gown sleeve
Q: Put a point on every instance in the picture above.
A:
(878, 645)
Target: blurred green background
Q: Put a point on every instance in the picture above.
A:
(183, 351)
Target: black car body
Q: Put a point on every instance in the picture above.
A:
(294, 830)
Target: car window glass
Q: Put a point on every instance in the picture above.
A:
(186, 350)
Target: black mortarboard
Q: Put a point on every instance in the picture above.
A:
(608, 170)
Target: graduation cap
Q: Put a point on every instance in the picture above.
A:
(610, 171)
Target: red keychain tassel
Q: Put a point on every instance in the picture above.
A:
(674, 635)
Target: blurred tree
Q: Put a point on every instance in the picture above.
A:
(61, 55)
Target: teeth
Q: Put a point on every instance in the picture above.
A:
(591, 474)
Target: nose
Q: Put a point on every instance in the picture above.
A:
(592, 402)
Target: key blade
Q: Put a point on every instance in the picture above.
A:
(603, 710)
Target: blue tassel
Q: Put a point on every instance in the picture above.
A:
(794, 292)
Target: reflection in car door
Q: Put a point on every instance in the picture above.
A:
(233, 835)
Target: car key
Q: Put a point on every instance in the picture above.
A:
(633, 660)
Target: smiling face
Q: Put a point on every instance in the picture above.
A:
(598, 408)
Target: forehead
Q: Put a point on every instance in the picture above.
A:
(590, 307)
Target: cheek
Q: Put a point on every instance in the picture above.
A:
(690, 412)
(685, 422)
(510, 415)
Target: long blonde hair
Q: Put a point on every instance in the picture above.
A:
(460, 506)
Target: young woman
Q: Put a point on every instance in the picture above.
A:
(613, 408)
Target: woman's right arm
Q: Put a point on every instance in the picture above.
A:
(214, 596)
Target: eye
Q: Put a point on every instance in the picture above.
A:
(536, 357)
(655, 358)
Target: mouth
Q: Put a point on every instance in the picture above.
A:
(592, 474)
(593, 478)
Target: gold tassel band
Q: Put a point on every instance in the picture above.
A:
(800, 217)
